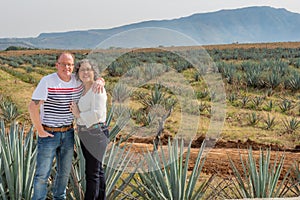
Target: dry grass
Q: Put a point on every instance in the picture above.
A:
(19, 91)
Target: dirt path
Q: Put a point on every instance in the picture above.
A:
(217, 159)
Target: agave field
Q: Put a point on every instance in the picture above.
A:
(151, 155)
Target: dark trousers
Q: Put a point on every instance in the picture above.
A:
(95, 177)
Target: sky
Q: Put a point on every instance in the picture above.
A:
(29, 18)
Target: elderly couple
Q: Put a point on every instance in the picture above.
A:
(58, 98)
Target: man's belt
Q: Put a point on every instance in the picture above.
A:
(57, 129)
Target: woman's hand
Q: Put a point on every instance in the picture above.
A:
(74, 109)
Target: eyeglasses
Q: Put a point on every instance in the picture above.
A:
(86, 70)
(66, 65)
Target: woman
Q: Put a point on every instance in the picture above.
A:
(90, 113)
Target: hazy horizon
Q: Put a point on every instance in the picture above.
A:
(32, 17)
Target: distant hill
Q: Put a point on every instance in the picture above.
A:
(244, 25)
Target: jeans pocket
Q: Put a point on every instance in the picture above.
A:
(47, 139)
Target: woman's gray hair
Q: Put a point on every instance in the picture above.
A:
(93, 65)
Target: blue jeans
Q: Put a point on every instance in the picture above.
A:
(61, 146)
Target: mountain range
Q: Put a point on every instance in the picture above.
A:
(244, 25)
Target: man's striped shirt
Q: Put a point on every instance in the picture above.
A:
(57, 96)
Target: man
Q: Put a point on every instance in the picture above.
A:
(50, 114)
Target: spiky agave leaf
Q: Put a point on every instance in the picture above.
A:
(259, 179)
(167, 176)
(18, 158)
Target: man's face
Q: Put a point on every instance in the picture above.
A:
(65, 66)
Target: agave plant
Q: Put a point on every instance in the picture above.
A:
(9, 111)
(228, 72)
(259, 179)
(116, 161)
(202, 94)
(292, 187)
(273, 80)
(123, 118)
(269, 122)
(285, 105)
(17, 161)
(257, 101)
(294, 180)
(121, 93)
(77, 184)
(244, 101)
(253, 77)
(232, 97)
(157, 97)
(291, 125)
(167, 176)
(253, 118)
(293, 82)
(269, 106)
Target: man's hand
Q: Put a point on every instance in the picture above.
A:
(98, 85)
(43, 134)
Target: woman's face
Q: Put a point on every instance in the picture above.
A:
(86, 73)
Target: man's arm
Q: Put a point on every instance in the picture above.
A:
(34, 111)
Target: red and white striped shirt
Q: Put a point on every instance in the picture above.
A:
(57, 96)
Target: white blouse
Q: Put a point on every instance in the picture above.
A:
(92, 108)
